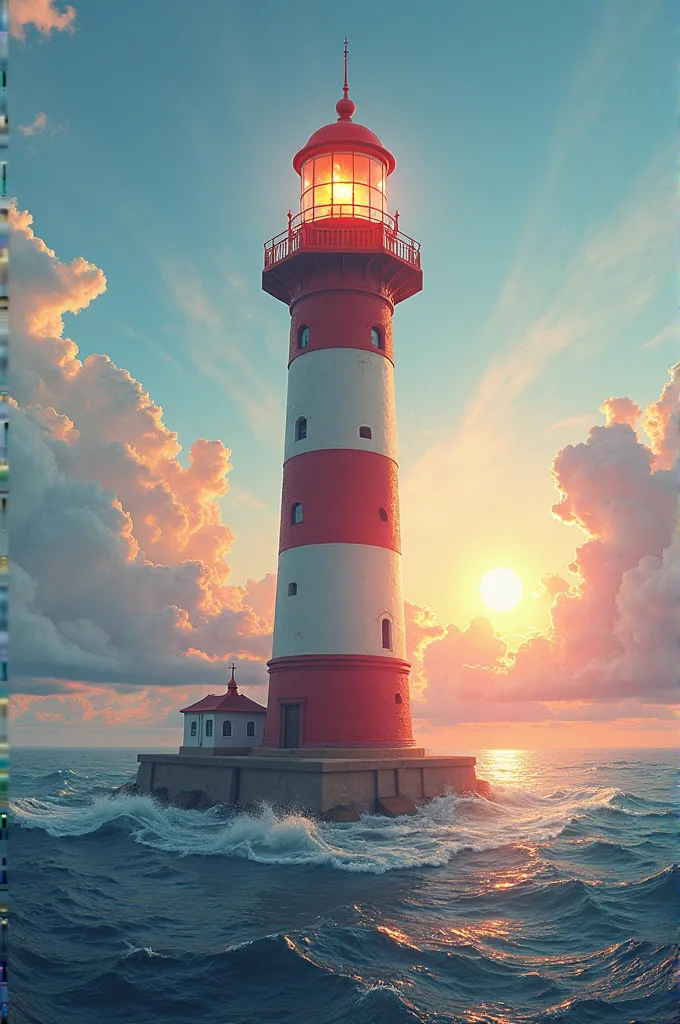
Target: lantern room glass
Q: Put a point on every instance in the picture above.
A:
(344, 185)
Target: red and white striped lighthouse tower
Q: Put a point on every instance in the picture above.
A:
(339, 678)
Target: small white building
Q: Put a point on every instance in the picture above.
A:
(221, 723)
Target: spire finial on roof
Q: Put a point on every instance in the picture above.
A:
(232, 688)
(345, 107)
(345, 88)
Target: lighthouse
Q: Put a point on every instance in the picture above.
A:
(339, 678)
(337, 738)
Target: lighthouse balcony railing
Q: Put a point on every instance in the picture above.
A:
(326, 233)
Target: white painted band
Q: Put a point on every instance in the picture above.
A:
(337, 391)
(342, 594)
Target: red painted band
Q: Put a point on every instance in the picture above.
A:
(345, 701)
(341, 319)
(347, 496)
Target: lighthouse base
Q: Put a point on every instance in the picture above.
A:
(307, 784)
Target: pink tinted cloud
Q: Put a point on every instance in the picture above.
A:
(38, 124)
(660, 422)
(43, 14)
(621, 410)
(121, 552)
(614, 632)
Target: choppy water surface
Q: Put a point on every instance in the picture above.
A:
(556, 902)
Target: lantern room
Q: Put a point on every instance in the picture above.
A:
(343, 171)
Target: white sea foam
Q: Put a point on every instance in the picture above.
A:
(142, 949)
(439, 831)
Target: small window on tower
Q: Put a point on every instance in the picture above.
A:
(387, 634)
(296, 514)
(300, 428)
(365, 432)
(226, 728)
(250, 729)
(303, 337)
(377, 339)
(193, 728)
(292, 589)
(398, 698)
(382, 512)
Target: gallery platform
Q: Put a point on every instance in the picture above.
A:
(311, 781)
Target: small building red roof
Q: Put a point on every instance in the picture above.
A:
(231, 701)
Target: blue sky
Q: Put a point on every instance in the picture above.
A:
(529, 138)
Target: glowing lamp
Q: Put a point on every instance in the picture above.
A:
(343, 171)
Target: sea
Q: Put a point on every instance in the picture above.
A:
(555, 902)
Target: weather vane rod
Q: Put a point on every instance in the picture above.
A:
(345, 88)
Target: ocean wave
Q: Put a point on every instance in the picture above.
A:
(440, 830)
(548, 907)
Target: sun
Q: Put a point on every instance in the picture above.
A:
(500, 589)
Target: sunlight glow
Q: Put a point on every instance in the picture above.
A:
(500, 589)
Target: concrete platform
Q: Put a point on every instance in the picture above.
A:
(313, 785)
(316, 753)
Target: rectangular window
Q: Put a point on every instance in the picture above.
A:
(387, 634)
(361, 169)
(322, 170)
(322, 195)
(193, 728)
(361, 197)
(342, 167)
(208, 727)
(376, 199)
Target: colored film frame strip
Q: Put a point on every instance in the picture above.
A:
(4, 499)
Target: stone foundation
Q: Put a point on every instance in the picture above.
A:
(310, 784)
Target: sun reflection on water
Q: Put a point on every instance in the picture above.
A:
(401, 938)
(471, 934)
(507, 767)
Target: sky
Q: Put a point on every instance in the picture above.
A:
(536, 373)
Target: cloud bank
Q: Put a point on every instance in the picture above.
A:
(119, 552)
(614, 631)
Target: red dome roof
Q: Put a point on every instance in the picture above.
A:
(346, 131)
(344, 134)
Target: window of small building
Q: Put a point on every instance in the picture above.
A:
(382, 512)
(296, 514)
(193, 729)
(250, 729)
(300, 428)
(303, 337)
(226, 728)
(208, 727)
(387, 634)
(377, 338)
(365, 432)
(292, 589)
